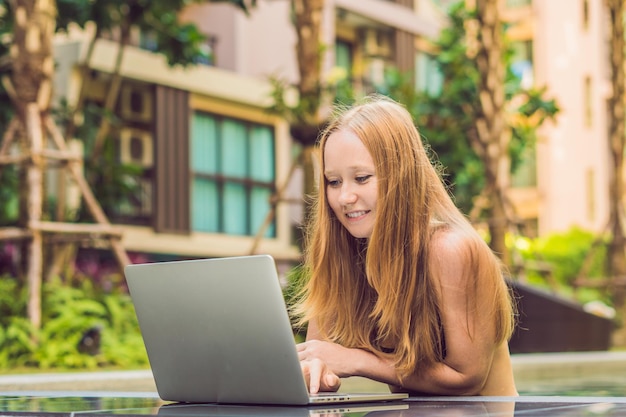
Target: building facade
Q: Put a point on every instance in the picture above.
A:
(214, 158)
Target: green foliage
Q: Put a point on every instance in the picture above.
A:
(296, 278)
(565, 253)
(17, 344)
(114, 183)
(12, 298)
(304, 112)
(122, 343)
(181, 43)
(68, 312)
(9, 209)
(447, 119)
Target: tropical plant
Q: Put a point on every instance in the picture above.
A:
(448, 119)
(70, 314)
(564, 255)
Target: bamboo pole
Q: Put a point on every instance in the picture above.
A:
(34, 211)
(90, 200)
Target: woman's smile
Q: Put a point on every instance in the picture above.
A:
(356, 215)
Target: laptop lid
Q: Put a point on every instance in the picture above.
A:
(217, 330)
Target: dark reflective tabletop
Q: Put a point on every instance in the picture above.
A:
(119, 404)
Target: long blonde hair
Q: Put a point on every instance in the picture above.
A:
(379, 294)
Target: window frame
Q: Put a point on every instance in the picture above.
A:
(221, 180)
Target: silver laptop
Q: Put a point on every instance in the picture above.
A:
(217, 331)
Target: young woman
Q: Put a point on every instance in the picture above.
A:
(401, 288)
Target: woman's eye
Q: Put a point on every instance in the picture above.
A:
(333, 183)
(363, 178)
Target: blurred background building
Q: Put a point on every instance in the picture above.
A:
(213, 156)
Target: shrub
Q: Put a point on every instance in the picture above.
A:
(566, 253)
(68, 313)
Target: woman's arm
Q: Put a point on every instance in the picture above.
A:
(469, 334)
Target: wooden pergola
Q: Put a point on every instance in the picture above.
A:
(35, 159)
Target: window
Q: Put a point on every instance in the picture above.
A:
(341, 75)
(522, 62)
(208, 51)
(590, 189)
(233, 173)
(585, 14)
(428, 77)
(343, 57)
(148, 40)
(588, 102)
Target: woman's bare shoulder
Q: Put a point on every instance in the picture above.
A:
(450, 253)
(447, 241)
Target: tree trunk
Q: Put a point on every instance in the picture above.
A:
(34, 185)
(305, 130)
(308, 20)
(491, 142)
(113, 92)
(85, 79)
(33, 68)
(617, 245)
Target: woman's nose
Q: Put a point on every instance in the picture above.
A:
(347, 195)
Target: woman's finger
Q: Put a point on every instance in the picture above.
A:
(315, 375)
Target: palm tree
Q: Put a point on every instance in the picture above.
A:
(308, 20)
(616, 261)
(491, 141)
(30, 87)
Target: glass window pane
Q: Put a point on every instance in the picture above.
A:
(428, 77)
(235, 209)
(204, 205)
(262, 154)
(204, 144)
(234, 144)
(259, 208)
(343, 57)
(226, 155)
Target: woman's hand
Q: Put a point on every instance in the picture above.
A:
(318, 377)
(323, 364)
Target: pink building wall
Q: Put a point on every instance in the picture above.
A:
(572, 154)
(261, 44)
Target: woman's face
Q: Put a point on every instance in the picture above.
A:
(351, 183)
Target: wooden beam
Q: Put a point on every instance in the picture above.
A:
(88, 197)
(82, 240)
(77, 228)
(14, 159)
(61, 155)
(600, 282)
(14, 233)
(9, 135)
(46, 153)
